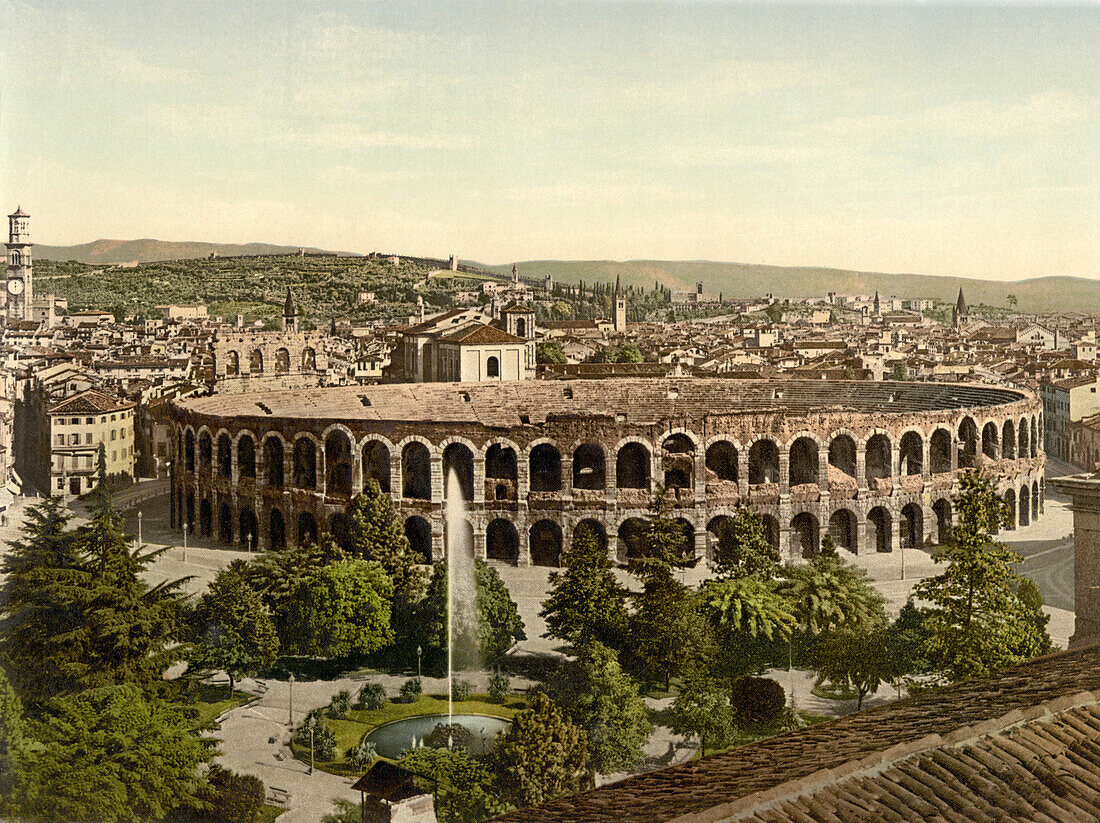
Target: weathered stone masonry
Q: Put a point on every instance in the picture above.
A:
(876, 464)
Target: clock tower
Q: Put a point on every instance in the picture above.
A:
(19, 285)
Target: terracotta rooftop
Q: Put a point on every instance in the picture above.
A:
(1020, 745)
(480, 335)
(90, 401)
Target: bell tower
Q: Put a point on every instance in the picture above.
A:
(20, 283)
(290, 312)
(618, 323)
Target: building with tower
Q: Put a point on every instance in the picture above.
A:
(20, 277)
(961, 315)
(619, 320)
(290, 312)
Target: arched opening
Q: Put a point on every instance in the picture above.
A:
(502, 541)
(1010, 501)
(189, 451)
(880, 521)
(545, 466)
(1035, 501)
(191, 512)
(687, 538)
(990, 441)
(305, 466)
(256, 362)
(501, 472)
(632, 467)
(942, 510)
(282, 361)
(206, 451)
(911, 453)
(842, 455)
(307, 529)
(1024, 449)
(276, 530)
(1034, 439)
(771, 529)
(338, 527)
(1008, 440)
(521, 327)
(803, 462)
(225, 456)
(878, 458)
(844, 530)
(721, 460)
(939, 451)
(459, 459)
(225, 524)
(246, 457)
(492, 367)
(376, 464)
(804, 533)
(338, 463)
(546, 543)
(678, 462)
(418, 532)
(719, 528)
(249, 531)
(912, 526)
(206, 518)
(589, 472)
(273, 462)
(232, 364)
(632, 538)
(595, 527)
(309, 359)
(1025, 506)
(968, 443)
(416, 472)
(763, 463)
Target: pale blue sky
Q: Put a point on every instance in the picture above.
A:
(932, 139)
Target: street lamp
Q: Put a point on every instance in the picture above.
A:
(139, 527)
(185, 541)
(311, 748)
(419, 651)
(290, 714)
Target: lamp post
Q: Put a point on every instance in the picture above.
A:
(419, 651)
(185, 542)
(290, 714)
(250, 538)
(311, 748)
(139, 527)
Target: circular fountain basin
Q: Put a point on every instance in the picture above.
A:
(392, 739)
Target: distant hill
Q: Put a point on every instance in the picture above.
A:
(106, 252)
(1040, 294)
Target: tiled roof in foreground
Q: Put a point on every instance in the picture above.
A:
(1021, 745)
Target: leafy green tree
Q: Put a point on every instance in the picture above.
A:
(1031, 600)
(749, 619)
(586, 602)
(702, 708)
(542, 755)
(341, 610)
(603, 700)
(626, 353)
(101, 466)
(1012, 300)
(314, 732)
(230, 797)
(859, 658)
(500, 687)
(109, 754)
(756, 701)
(375, 533)
(465, 789)
(829, 592)
(743, 547)
(549, 351)
(901, 371)
(233, 629)
(909, 639)
(977, 620)
(12, 740)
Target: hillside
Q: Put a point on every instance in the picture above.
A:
(109, 252)
(1041, 294)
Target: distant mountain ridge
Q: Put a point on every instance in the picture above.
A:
(738, 280)
(109, 252)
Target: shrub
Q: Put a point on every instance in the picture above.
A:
(233, 798)
(324, 739)
(757, 700)
(371, 696)
(361, 756)
(500, 687)
(411, 690)
(340, 707)
(461, 690)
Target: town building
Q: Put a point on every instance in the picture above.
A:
(79, 427)
(1066, 402)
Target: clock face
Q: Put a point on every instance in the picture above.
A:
(15, 287)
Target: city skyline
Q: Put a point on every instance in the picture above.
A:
(932, 140)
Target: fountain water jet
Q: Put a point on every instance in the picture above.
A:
(461, 582)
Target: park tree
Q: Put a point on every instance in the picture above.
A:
(13, 740)
(1012, 300)
(829, 592)
(375, 533)
(464, 787)
(542, 755)
(108, 754)
(702, 709)
(749, 619)
(976, 619)
(603, 700)
(341, 610)
(549, 351)
(233, 630)
(586, 602)
(743, 547)
(858, 658)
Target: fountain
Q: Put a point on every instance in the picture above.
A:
(461, 582)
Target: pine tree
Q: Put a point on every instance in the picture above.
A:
(586, 602)
(743, 547)
(375, 533)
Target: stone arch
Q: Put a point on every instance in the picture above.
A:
(225, 456)
(492, 366)
(458, 458)
(338, 462)
(881, 525)
(1008, 440)
(282, 361)
(771, 529)
(416, 471)
(804, 534)
(546, 543)
(248, 529)
(721, 460)
(763, 462)
(589, 467)
(1024, 449)
(309, 359)
(678, 460)
(1025, 505)
(206, 450)
(502, 541)
(803, 464)
(189, 450)
(842, 454)
(276, 532)
(225, 524)
(501, 471)
(968, 443)
(942, 511)
(307, 528)
(273, 461)
(305, 465)
(256, 362)
(939, 451)
(544, 466)
(877, 457)
(1034, 438)
(338, 526)
(912, 526)
(376, 464)
(687, 532)
(991, 441)
(844, 530)
(911, 453)
(206, 518)
(632, 537)
(232, 364)
(632, 466)
(1010, 501)
(597, 529)
(418, 531)
(246, 455)
(719, 527)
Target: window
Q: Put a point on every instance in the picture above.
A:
(61, 440)
(90, 420)
(492, 367)
(114, 434)
(114, 417)
(74, 440)
(114, 456)
(88, 438)
(61, 482)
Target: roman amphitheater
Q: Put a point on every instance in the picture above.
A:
(873, 464)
